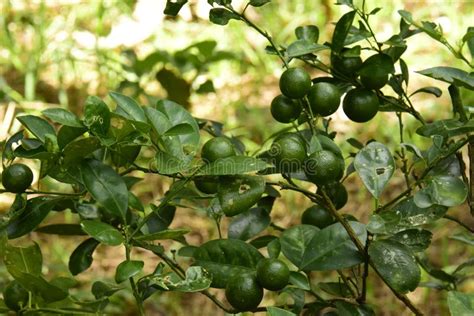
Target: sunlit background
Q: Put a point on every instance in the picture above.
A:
(56, 53)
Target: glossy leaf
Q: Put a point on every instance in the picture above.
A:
(416, 239)
(101, 289)
(7, 153)
(81, 258)
(431, 90)
(348, 309)
(276, 311)
(446, 128)
(128, 269)
(299, 280)
(451, 75)
(67, 134)
(221, 16)
(180, 129)
(461, 304)
(237, 195)
(197, 279)
(225, 257)
(335, 288)
(169, 164)
(61, 229)
(164, 234)
(106, 186)
(63, 116)
(233, 165)
(303, 47)
(375, 165)
(96, 116)
(37, 126)
(130, 108)
(404, 215)
(23, 260)
(161, 218)
(37, 284)
(158, 120)
(102, 232)
(35, 212)
(173, 7)
(396, 265)
(295, 240)
(79, 149)
(258, 3)
(442, 190)
(331, 248)
(341, 31)
(307, 32)
(248, 224)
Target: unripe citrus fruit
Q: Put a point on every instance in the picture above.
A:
(360, 105)
(17, 178)
(295, 83)
(324, 98)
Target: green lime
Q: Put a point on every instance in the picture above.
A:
(295, 83)
(324, 98)
(17, 178)
(317, 215)
(206, 185)
(345, 66)
(288, 152)
(375, 70)
(243, 292)
(217, 148)
(360, 105)
(284, 109)
(323, 167)
(15, 296)
(337, 193)
(272, 274)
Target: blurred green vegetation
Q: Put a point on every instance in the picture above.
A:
(58, 52)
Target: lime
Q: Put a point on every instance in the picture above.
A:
(284, 109)
(324, 98)
(17, 178)
(323, 167)
(375, 70)
(243, 292)
(288, 152)
(217, 148)
(345, 66)
(337, 193)
(15, 296)
(295, 83)
(272, 274)
(317, 215)
(360, 105)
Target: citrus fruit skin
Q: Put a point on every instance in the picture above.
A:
(272, 274)
(324, 98)
(375, 70)
(345, 66)
(323, 167)
(360, 105)
(206, 186)
(284, 109)
(217, 148)
(288, 152)
(243, 292)
(295, 83)
(17, 178)
(375, 81)
(15, 296)
(337, 193)
(318, 216)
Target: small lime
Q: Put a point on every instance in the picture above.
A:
(324, 98)
(295, 83)
(360, 105)
(243, 292)
(323, 167)
(284, 109)
(17, 178)
(272, 274)
(217, 148)
(317, 215)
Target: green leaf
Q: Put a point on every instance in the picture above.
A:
(299, 280)
(37, 126)
(303, 47)
(105, 186)
(169, 164)
(161, 218)
(23, 260)
(460, 304)
(469, 39)
(431, 90)
(233, 165)
(236, 195)
(375, 165)
(446, 128)
(381, 62)
(224, 257)
(164, 234)
(276, 311)
(96, 116)
(348, 309)
(102, 232)
(464, 237)
(130, 108)
(295, 240)
(128, 269)
(61, 229)
(404, 215)
(331, 248)
(158, 120)
(416, 239)
(35, 212)
(67, 134)
(7, 153)
(222, 16)
(396, 265)
(37, 284)
(258, 3)
(451, 75)
(197, 279)
(335, 288)
(307, 32)
(173, 6)
(81, 258)
(442, 190)
(248, 224)
(79, 149)
(180, 129)
(341, 31)
(63, 116)
(101, 289)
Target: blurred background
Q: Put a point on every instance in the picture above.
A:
(57, 52)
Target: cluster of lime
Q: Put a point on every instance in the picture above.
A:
(245, 291)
